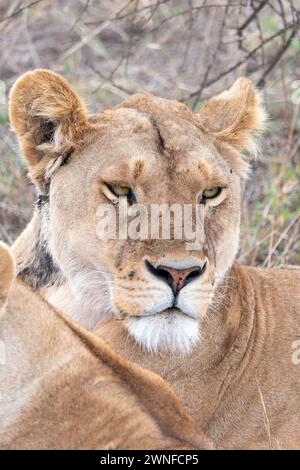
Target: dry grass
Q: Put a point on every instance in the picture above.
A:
(187, 50)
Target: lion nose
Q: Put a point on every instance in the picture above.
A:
(176, 278)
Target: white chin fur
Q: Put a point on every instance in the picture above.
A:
(170, 332)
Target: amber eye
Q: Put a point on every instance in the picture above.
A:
(210, 193)
(114, 191)
(119, 190)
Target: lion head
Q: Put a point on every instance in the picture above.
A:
(147, 154)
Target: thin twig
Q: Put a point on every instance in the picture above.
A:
(20, 10)
(276, 59)
(240, 62)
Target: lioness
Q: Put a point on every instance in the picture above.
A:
(63, 388)
(238, 324)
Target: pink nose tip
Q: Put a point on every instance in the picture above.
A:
(175, 278)
(180, 277)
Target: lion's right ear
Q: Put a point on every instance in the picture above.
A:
(48, 117)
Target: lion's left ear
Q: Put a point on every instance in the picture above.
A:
(235, 115)
(49, 119)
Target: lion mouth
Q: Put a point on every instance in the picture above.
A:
(168, 313)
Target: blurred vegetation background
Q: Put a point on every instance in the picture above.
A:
(187, 50)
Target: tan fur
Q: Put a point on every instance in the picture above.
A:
(240, 383)
(63, 388)
(7, 273)
(234, 115)
(48, 117)
(237, 324)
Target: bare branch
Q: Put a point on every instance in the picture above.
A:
(276, 59)
(20, 10)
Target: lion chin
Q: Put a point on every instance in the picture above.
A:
(168, 331)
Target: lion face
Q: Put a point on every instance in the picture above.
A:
(139, 276)
(147, 156)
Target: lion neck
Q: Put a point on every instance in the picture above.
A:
(202, 379)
